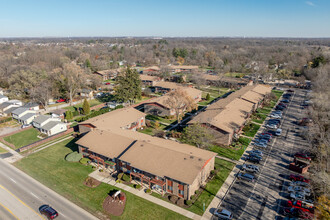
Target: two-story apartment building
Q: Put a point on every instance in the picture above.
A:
(162, 165)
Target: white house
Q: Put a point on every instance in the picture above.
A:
(41, 120)
(24, 115)
(16, 102)
(53, 127)
(8, 107)
(3, 98)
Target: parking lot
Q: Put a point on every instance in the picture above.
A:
(265, 198)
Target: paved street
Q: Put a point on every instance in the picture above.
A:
(263, 200)
(21, 196)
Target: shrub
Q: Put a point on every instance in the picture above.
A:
(212, 172)
(6, 120)
(148, 191)
(101, 170)
(120, 176)
(84, 160)
(75, 113)
(119, 106)
(126, 178)
(137, 186)
(68, 115)
(188, 202)
(73, 157)
(196, 191)
(192, 197)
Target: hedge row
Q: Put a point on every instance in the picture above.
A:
(5, 120)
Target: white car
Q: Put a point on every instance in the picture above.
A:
(275, 116)
(223, 214)
(278, 132)
(272, 126)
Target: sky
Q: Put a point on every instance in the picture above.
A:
(166, 18)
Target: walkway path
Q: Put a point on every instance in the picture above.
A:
(142, 194)
(227, 159)
(12, 156)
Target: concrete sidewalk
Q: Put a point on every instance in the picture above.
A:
(145, 196)
(14, 155)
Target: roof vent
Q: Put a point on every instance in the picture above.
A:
(185, 158)
(141, 145)
(191, 157)
(199, 159)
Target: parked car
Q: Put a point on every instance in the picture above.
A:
(246, 176)
(289, 90)
(299, 183)
(48, 211)
(107, 83)
(282, 104)
(256, 155)
(257, 144)
(275, 116)
(277, 112)
(258, 152)
(250, 168)
(253, 159)
(278, 132)
(285, 100)
(262, 140)
(223, 213)
(294, 212)
(300, 178)
(274, 121)
(306, 191)
(297, 196)
(301, 204)
(271, 126)
(60, 100)
(26, 126)
(302, 156)
(279, 107)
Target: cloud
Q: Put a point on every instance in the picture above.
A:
(310, 3)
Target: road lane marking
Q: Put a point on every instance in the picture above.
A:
(34, 195)
(12, 180)
(21, 201)
(8, 210)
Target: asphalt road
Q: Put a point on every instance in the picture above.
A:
(265, 198)
(21, 196)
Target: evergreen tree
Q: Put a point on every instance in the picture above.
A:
(68, 115)
(128, 87)
(208, 96)
(86, 107)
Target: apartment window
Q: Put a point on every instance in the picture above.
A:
(170, 188)
(181, 192)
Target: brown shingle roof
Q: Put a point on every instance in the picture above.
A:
(149, 78)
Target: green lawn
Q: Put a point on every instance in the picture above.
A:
(2, 151)
(92, 103)
(277, 93)
(251, 129)
(264, 110)
(152, 131)
(23, 138)
(160, 119)
(49, 167)
(231, 152)
(212, 187)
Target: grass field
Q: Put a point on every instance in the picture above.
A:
(92, 103)
(212, 187)
(251, 129)
(49, 167)
(233, 153)
(23, 138)
(2, 151)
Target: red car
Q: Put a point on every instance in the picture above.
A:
(48, 211)
(300, 205)
(294, 212)
(298, 178)
(61, 100)
(107, 83)
(303, 156)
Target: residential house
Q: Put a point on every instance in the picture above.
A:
(87, 93)
(108, 74)
(183, 68)
(159, 106)
(226, 117)
(164, 86)
(3, 98)
(49, 125)
(24, 115)
(149, 80)
(7, 107)
(58, 113)
(162, 165)
(151, 69)
(32, 106)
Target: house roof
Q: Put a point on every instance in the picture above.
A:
(167, 85)
(229, 113)
(155, 68)
(41, 118)
(19, 110)
(58, 111)
(184, 67)
(31, 104)
(162, 157)
(144, 77)
(3, 96)
(50, 125)
(11, 109)
(110, 71)
(5, 104)
(27, 116)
